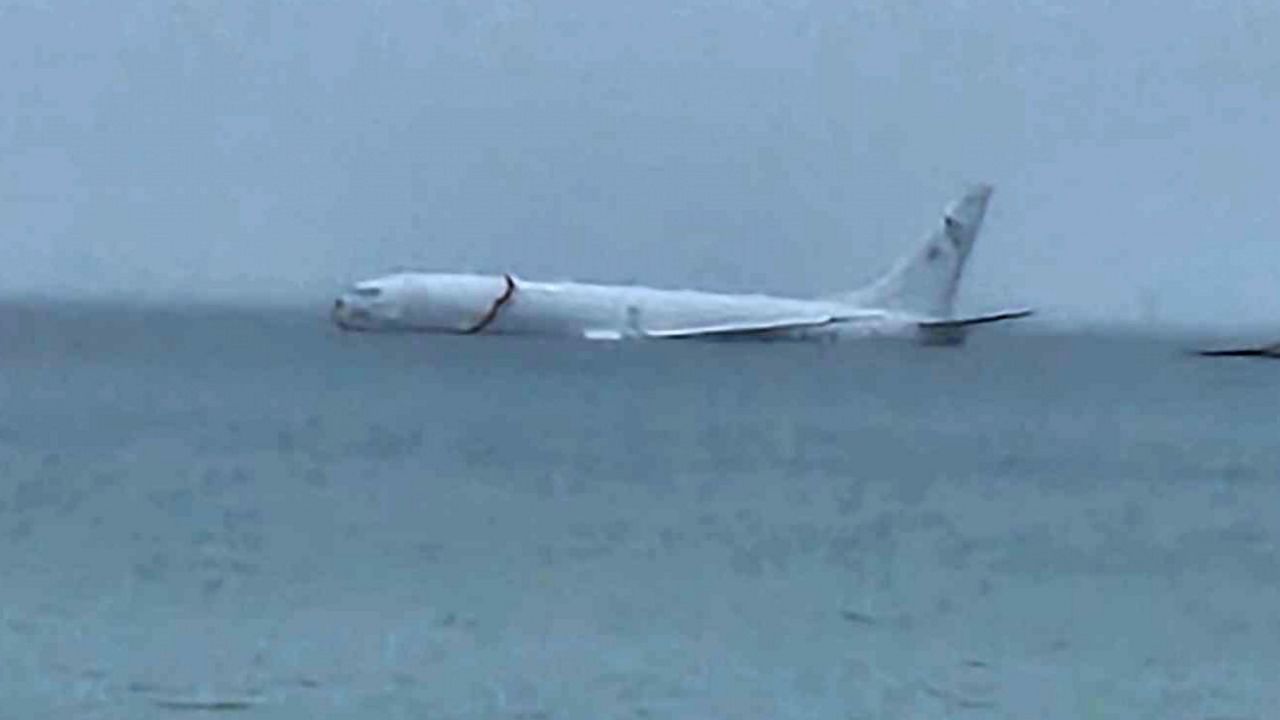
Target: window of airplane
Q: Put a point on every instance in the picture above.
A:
(367, 291)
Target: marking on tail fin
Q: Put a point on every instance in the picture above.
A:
(953, 231)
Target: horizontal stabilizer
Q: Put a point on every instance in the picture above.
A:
(975, 320)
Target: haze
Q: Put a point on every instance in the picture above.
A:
(260, 151)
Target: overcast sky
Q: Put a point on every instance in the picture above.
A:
(283, 149)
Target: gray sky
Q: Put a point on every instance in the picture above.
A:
(283, 149)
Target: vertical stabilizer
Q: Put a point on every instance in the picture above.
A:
(926, 281)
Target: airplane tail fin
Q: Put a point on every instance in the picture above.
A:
(925, 282)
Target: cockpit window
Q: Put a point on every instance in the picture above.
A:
(368, 291)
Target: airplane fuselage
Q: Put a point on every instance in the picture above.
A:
(495, 304)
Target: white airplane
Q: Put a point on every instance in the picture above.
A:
(913, 300)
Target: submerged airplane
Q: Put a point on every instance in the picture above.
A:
(913, 300)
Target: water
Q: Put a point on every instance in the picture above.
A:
(216, 506)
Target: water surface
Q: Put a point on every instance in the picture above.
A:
(208, 505)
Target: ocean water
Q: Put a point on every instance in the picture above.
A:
(248, 513)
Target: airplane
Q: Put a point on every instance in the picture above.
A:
(913, 300)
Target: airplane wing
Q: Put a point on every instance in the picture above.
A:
(975, 320)
(744, 328)
(732, 329)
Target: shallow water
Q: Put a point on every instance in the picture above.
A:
(251, 507)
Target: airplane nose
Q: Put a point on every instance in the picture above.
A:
(350, 314)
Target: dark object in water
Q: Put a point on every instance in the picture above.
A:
(854, 616)
(1265, 351)
(213, 705)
